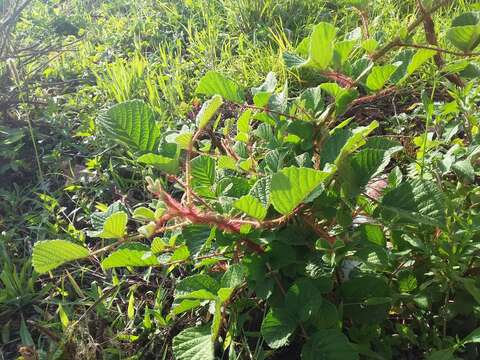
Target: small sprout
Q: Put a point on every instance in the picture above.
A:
(155, 187)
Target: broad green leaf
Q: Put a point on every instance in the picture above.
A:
(233, 277)
(465, 31)
(114, 226)
(217, 320)
(98, 218)
(303, 299)
(226, 162)
(356, 294)
(343, 50)
(420, 57)
(196, 237)
(370, 45)
(194, 344)
(417, 202)
(213, 83)
(50, 254)
(143, 213)
(194, 283)
(379, 76)
(277, 327)
(164, 163)
(292, 185)
(251, 206)
(132, 254)
(329, 345)
(186, 305)
(203, 170)
(268, 85)
(322, 45)
(131, 123)
(343, 97)
(209, 108)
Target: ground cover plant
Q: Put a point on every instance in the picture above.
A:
(239, 179)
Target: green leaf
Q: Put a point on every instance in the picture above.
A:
(473, 337)
(203, 171)
(465, 31)
(196, 236)
(217, 320)
(132, 254)
(194, 344)
(233, 277)
(209, 108)
(277, 327)
(420, 57)
(292, 185)
(143, 213)
(356, 294)
(379, 76)
(322, 45)
(213, 83)
(50, 254)
(415, 201)
(328, 345)
(194, 283)
(261, 190)
(186, 305)
(114, 227)
(445, 354)
(251, 206)
(164, 163)
(131, 123)
(303, 299)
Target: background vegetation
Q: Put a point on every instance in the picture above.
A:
(388, 246)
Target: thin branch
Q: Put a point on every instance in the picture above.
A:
(441, 50)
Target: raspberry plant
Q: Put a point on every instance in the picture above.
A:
(283, 218)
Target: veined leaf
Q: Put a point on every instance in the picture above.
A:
(131, 123)
(114, 226)
(415, 201)
(277, 327)
(261, 190)
(143, 213)
(50, 254)
(203, 170)
(292, 185)
(322, 45)
(194, 344)
(133, 254)
(195, 283)
(196, 236)
(251, 206)
(465, 31)
(214, 83)
(379, 76)
(209, 108)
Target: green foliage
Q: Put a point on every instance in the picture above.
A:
(325, 208)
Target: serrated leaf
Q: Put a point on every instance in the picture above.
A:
(203, 170)
(214, 83)
(277, 327)
(195, 283)
(233, 277)
(416, 201)
(131, 123)
(50, 254)
(379, 76)
(303, 299)
(330, 345)
(133, 254)
(209, 108)
(114, 226)
(194, 344)
(261, 190)
(196, 236)
(292, 185)
(97, 219)
(251, 206)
